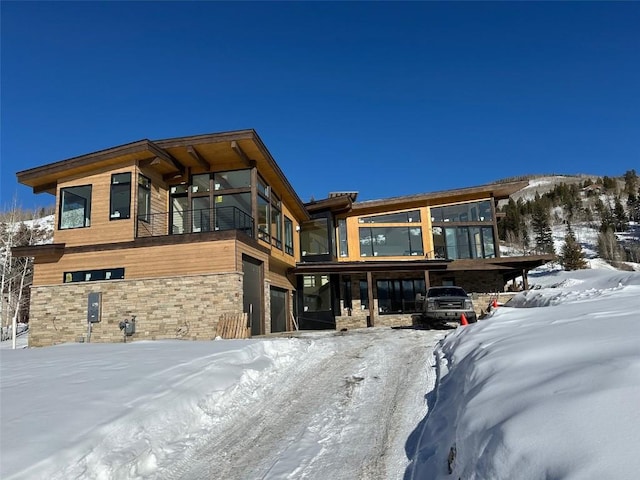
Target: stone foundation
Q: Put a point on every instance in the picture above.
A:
(165, 308)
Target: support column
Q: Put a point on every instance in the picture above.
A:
(525, 279)
(370, 297)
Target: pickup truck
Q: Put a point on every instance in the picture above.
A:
(445, 306)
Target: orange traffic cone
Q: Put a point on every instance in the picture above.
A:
(495, 303)
(463, 320)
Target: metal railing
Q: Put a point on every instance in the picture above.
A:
(215, 219)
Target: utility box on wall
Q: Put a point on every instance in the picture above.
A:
(94, 308)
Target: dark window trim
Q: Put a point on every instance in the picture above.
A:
(111, 213)
(288, 247)
(146, 217)
(397, 295)
(90, 185)
(371, 219)
(97, 274)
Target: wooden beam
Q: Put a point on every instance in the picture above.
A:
(238, 150)
(165, 157)
(198, 158)
(172, 176)
(47, 187)
(525, 279)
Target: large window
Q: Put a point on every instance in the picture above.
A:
(144, 198)
(212, 202)
(75, 207)
(399, 296)
(465, 212)
(317, 293)
(390, 241)
(233, 211)
(120, 204)
(201, 214)
(223, 201)
(463, 242)
(314, 237)
(400, 217)
(232, 179)
(467, 237)
(201, 183)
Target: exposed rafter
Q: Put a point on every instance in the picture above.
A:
(172, 176)
(197, 157)
(165, 157)
(240, 152)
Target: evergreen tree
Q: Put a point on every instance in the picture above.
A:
(609, 183)
(607, 221)
(511, 221)
(633, 206)
(630, 181)
(571, 256)
(621, 221)
(541, 229)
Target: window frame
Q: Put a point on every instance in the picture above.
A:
(113, 190)
(113, 274)
(146, 190)
(288, 236)
(399, 291)
(368, 250)
(86, 207)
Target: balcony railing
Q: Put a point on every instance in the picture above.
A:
(194, 221)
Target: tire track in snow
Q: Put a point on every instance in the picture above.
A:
(348, 408)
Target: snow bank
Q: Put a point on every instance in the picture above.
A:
(548, 391)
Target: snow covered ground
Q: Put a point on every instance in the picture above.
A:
(325, 405)
(546, 388)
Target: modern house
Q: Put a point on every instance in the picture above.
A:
(181, 231)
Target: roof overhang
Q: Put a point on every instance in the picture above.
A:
(50, 252)
(504, 264)
(46, 177)
(496, 190)
(336, 204)
(172, 158)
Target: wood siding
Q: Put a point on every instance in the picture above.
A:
(146, 262)
(102, 228)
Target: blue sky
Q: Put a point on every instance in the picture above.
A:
(382, 98)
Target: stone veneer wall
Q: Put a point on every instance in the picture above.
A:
(358, 318)
(166, 308)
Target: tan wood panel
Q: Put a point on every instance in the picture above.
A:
(278, 276)
(145, 262)
(102, 228)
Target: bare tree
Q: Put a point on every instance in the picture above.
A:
(17, 229)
